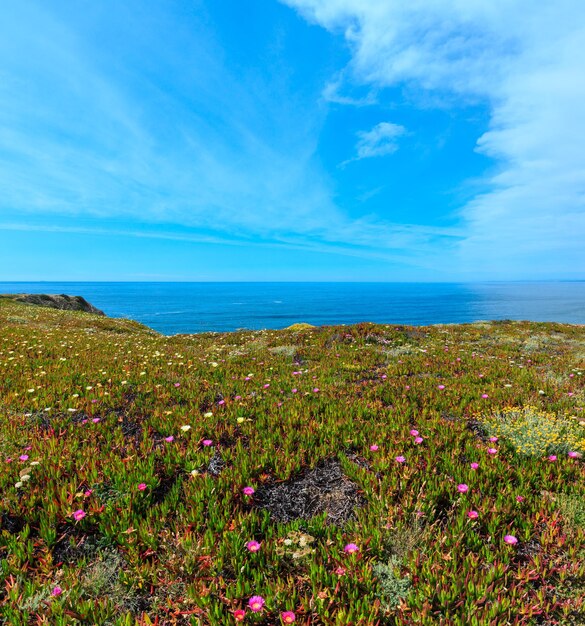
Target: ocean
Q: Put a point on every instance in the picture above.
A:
(172, 308)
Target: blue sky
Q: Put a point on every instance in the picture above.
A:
(294, 140)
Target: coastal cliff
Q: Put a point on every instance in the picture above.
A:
(62, 302)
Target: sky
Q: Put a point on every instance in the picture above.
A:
(293, 140)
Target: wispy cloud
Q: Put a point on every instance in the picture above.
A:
(524, 60)
(379, 141)
(168, 135)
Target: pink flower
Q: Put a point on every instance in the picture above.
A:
(95, 420)
(57, 591)
(418, 440)
(510, 540)
(238, 398)
(340, 571)
(384, 376)
(253, 546)
(400, 459)
(474, 465)
(23, 457)
(177, 384)
(484, 395)
(493, 439)
(207, 442)
(79, 515)
(374, 447)
(88, 492)
(492, 451)
(519, 498)
(266, 386)
(350, 548)
(256, 603)
(407, 387)
(462, 488)
(169, 438)
(316, 390)
(239, 615)
(221, 402)
(574, 455)
(414, 432)
(472, 514)
(552, 457)
(441, 387)
(142, 486)
(248, 491)
(288, 617)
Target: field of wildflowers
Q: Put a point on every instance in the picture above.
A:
(359, 475)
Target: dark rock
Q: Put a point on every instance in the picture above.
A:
(61, 302)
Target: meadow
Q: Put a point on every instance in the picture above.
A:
(349, 475)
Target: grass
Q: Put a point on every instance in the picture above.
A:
(124, 453)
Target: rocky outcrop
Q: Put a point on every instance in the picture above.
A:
(62, 302)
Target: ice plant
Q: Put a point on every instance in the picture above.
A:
(492, 451)
(462, 488)
(56, 591)
(552, 457)
(253, 546)
(373, 447)
(79, 515)
(287, 617)
(418, 440)
(510, 539)
(207, 442)
(441, 387)
(239, 615)
(350, 548)
(414, 432)
(472, 514)
(23, 457)
(169, 438)
(256, 603)
(141, 486)
(248, 491)
(400, 459)
(574, 455)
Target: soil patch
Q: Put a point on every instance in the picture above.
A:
(324, 489)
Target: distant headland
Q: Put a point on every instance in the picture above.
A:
(52, 301)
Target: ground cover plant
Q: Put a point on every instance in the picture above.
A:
(372, 474)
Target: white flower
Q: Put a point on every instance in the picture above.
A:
(208, 414)
(35, 463)
(25, 477)
(18, 485)
(185, 428)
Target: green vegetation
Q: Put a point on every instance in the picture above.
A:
(400, 475)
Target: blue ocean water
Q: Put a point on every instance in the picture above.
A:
(172, 308)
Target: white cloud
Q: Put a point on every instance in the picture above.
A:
(524, 59)
(379, 141)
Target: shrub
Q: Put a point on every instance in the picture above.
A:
(532, 432)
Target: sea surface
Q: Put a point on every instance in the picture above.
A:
(172, 308)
